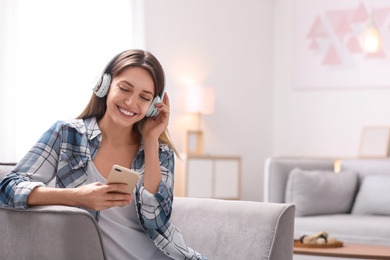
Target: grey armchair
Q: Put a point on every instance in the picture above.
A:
(219, 229)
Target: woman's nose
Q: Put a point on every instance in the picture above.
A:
(129, 99)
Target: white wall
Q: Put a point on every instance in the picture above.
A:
(325, 123)
(227, 45)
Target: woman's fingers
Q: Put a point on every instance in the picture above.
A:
(97, 196)
(117, 187)
(164, 105)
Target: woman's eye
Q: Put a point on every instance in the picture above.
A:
(123, 89)
(145, 98)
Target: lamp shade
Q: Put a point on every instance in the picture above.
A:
(199, 99)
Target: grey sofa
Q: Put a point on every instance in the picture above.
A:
(219, 229)
(351, 205)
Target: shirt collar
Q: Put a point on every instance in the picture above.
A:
(88, 125)
(92, 128)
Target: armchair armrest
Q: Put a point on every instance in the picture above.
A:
(50, 232)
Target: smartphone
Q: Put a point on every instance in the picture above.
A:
(120, 174)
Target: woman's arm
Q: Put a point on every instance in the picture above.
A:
(151, 131)
(152, 166)
(36, 169)
(154, 194)
(94, 196)
(155, 208)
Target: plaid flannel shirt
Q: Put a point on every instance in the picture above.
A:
(63, 153)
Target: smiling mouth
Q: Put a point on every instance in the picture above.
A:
(125, 112)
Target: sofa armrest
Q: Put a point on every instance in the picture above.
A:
(49, 232)
(224, 229)
(5, 168)
(277, 170)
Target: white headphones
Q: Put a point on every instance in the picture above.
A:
(103, 83)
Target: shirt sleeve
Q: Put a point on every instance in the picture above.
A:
(37, 168)
(155, 209)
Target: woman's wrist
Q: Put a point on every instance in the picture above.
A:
(150, 143)
(52, 196)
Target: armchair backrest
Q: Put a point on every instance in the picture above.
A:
(231, 229)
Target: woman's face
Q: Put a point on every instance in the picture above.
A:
(130, 95)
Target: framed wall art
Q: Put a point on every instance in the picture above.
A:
(375, 141)
(327, 44)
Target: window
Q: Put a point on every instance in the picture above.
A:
(50, 56)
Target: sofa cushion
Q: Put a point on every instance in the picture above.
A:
(321, 192)
(373, 197)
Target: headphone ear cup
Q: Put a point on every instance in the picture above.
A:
(102, 85)
(152, 111)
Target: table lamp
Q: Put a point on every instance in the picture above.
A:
(199, 100)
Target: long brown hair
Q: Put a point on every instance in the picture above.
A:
(130, 58)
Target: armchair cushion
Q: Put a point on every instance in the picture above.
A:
(321, 192)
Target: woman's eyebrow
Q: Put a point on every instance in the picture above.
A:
(125, 82)
(147, 92)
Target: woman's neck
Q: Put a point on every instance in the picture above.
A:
(117, 135)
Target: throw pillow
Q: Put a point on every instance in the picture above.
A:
(321, 192)
(373, 197)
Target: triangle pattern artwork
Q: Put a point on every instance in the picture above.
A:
(326, 44)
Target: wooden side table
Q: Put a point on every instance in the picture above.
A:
(362, 251)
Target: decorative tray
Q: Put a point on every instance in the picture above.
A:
(332, 244)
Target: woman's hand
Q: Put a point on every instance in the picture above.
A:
(155, 126)
(98, 196)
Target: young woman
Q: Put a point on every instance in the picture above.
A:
(124, 123)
